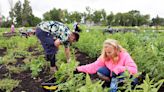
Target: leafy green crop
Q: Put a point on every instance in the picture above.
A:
(91, 86)
(36, 65)
(8, 85)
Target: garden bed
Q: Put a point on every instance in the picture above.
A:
(29, 84)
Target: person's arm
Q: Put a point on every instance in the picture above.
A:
(67, 53)
(129, 65)
(91, 68)
(57, 43)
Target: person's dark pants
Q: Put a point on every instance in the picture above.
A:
(106, 72)
(114, 80)
(47, 42)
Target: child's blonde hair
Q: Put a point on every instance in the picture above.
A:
(118, 48)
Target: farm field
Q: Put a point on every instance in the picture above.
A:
(23, 66)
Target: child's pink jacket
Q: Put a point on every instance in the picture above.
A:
(125, 62)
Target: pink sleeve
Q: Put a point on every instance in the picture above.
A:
(91, 68)
(129, 64)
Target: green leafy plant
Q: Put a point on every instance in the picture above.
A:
(1, 60)
(8, 84)
(65, 71)
(72, 83)
(127, 81)
(91, 86)
(149, 85)
(8, 58)
(20, 54)
(13, 69)
(36, 65)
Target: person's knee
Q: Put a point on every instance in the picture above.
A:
(104, 70)
(103, 77)
(104, 73)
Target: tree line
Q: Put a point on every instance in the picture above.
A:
(22, 15)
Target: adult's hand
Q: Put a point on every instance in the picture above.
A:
(57, 43)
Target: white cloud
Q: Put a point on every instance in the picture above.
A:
(152, 7)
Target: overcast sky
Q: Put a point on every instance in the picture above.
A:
(152, 7)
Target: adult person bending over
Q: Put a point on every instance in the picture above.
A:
(112, 62)
(52, 34)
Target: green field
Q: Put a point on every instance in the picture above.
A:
(20, 56)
